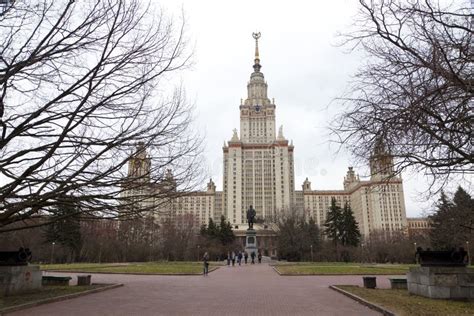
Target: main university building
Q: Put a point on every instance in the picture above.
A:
(259, 170)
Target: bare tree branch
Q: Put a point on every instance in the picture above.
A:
(81, 83)
(416, 90)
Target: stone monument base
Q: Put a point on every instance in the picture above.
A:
(251, 241)
(19, 279)
(441, 282)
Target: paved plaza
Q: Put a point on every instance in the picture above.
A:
(246, 290)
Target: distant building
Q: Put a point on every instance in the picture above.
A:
(377, 203)
(258, 170)
(417, 226)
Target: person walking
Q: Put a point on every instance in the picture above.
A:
(252, 255)
(239, 257)
(205, 260)
(228, 258)
(259, 257)
(246, 256)
(233, 258)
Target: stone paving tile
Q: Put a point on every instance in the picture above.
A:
(246, 290)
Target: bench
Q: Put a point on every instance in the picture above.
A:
(398, 283)
(55, 280)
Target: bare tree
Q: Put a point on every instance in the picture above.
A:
(178, 238)
(81, 83)
(416, 89)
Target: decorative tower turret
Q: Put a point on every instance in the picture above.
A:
(350, 179)
(168, 184)
(381, 162)
(306, 185)
(211, 186)
(139, 164)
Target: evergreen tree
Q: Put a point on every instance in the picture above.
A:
(212, 229)
(333, 224)
(311, 238)
(222, 233)
(203, 230)
(464, 205)
(349, 234)
(226, 235)
(313, 234)
(289, 239)
(452, 221)
(442, 226)
(297, 237)
(66, 230)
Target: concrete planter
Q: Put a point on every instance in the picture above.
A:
(370, 282)
(398, 283)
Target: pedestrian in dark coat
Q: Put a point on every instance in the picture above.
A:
(252, 255)
(246, 256)
(205, 260)
(259, 257)
(228, 258)
(239, 257)
(233, 258)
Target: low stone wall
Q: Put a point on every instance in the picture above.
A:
(441, 282)
(19, 279)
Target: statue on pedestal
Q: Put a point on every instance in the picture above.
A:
(251, 216)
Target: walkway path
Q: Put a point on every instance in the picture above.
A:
(246, 290)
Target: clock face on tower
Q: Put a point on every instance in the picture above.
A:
(257, 108)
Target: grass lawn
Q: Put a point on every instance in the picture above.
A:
(401, 303)
(328, 268)
(45, 293)
(145, 267)
(76, 266)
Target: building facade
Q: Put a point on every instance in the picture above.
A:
(258, 170)
(418, 226)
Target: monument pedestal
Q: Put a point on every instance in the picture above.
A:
(19, 279)
(251, 241)
(441, 282)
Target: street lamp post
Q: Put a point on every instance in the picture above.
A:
(468, 253)
(52, 252)
(311, 246)
(416, 256)
(362, 251)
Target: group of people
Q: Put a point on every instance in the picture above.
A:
(232, 257)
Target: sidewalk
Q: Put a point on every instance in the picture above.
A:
(245, 290)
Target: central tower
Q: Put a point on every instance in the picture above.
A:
(257, 113)
(258, 165)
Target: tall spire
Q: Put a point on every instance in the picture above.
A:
(257, 87)
(257, 65)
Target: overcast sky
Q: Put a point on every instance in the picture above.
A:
(304, 68)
